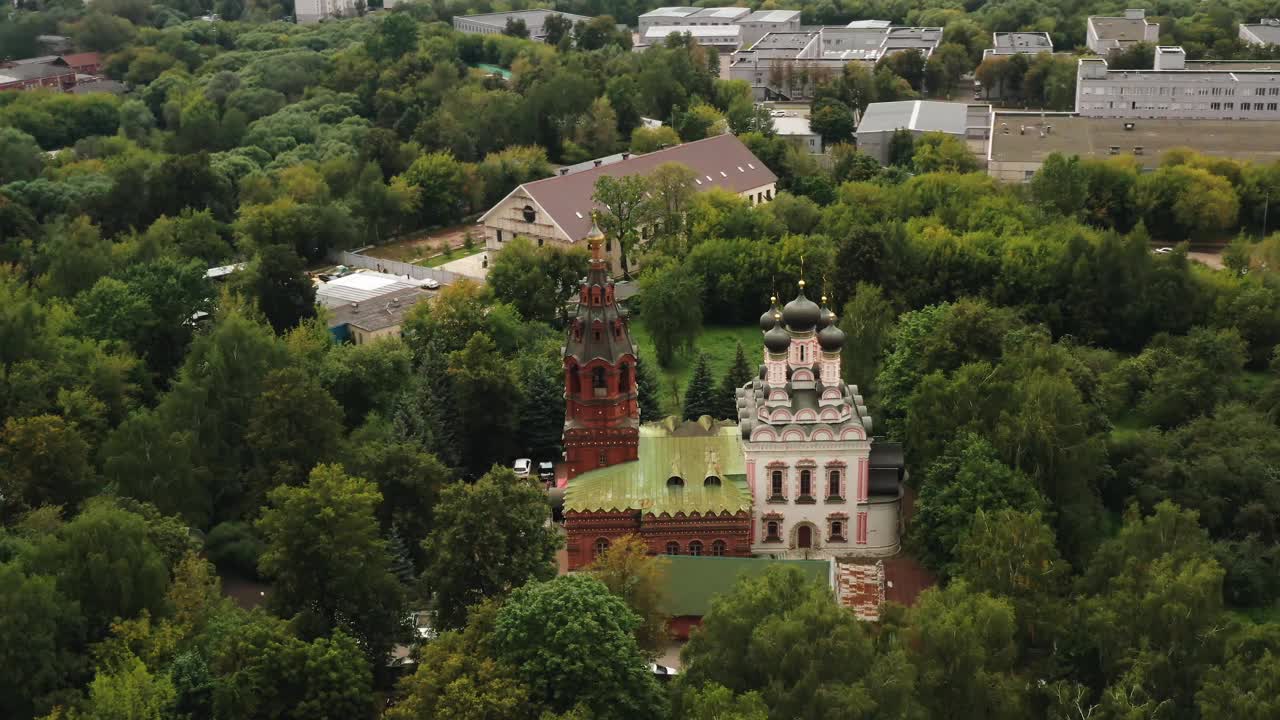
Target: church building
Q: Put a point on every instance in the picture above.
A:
(798, 476)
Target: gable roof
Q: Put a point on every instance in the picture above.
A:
(692, 582)
(84, 58)
(721, 161)
(690, 450)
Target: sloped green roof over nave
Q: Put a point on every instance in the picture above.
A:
(691, 582)
(691, 451)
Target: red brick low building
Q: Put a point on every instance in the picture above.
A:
(685, 494)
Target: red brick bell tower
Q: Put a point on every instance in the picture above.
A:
(602, 415)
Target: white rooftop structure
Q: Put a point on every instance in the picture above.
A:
(1016, 43)
(773, 16)
(726, 14)
(1104, 34)
(1264, 32)
(361, 287)
(705, 34)
(868, 24)
(670, 12)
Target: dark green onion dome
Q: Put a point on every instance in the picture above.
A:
(831, 337)
(801, 314)
(777, 339)
(767, 320)
(824, 315)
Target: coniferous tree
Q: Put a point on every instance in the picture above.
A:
(699, 396)
(421, 413)
(648, 390)
(542, 411)
(401, 561)
(739, 374)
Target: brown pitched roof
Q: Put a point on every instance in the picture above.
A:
(721, 161)
(79, 59)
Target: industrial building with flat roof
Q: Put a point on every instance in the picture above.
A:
(1178, 88)
(1019, 43)
(496, 23)
(1021, 142)
(882, 120)
(751, 26)
(1104, 34)
(788, 65)
(1262, 33)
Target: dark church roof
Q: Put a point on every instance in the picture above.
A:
(598, 330)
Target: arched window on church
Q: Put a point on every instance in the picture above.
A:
(624, 378)
(833, 489)
(597, 378)
(575, 382)
(771, 532)
(711, 481)
(775, 489)
(675, 483)
(806, 484)
(695, 548)
(718, 548)
(802, 353)
(673, 548)
(601, 547)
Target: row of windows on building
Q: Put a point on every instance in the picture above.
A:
(1134, 105)
(1219, 91)
(805, 532)
(778, 486)
(696, 548)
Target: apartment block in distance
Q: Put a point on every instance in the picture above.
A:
(787, 65)
(1180, 88)
(496, 23)
(1019, 43)
(717, 27)
(1105, 34)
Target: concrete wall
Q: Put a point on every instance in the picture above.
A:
(1188, 94)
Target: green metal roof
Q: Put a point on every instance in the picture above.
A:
(691, 451)
(691, 582)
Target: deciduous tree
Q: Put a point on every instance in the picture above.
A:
(328, 561)
(489, 538)
(553, 631)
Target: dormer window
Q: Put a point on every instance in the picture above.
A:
(529, 213)
(711, 481)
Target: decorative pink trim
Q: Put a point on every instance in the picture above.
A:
(806, 462)
(838, 516)
(822, 435)
(862, 528)
(792, 435)
(856, 432)
(777, 464)
(772, 516)
(863, 478)
(751, 477)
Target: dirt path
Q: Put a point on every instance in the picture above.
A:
(424, 245)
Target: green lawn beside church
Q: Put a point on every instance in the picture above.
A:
(717, 341)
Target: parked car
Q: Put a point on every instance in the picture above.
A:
(1163, 250)
(662, 672)
(430, 284)
(522, 467)
(546, 471)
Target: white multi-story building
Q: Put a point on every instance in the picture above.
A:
(789, 64)
(496, 23)
(820, 485)
(1105, 34)
(714, 26)
(1262, 33)
(1178, 88)
(1019, 43)
(313, 11)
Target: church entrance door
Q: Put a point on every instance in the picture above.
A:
(804, 536)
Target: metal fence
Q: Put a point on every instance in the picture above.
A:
(394, 267)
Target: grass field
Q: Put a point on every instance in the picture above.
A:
(718, 342)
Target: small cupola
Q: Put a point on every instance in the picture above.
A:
(767, 320)
(777, 340)
(831, 337)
